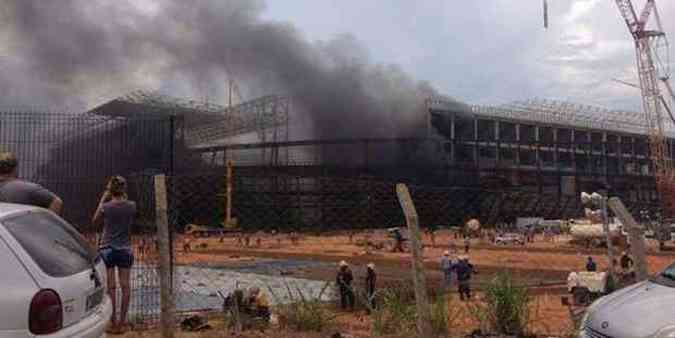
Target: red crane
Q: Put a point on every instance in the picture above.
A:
(650, 45)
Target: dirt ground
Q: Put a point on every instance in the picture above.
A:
(548, 317)
(547, 260)
(542, 264)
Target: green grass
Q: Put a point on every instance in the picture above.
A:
(505, 309)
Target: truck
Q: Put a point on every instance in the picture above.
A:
(201, 231)
(585, 287)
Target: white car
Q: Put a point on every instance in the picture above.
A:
(53, 283)
(643, 310)
(509, 239)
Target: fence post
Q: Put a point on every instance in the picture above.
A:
(419, 279)
(635, 235)
(228, 196)
(608, 236)
(167, 320)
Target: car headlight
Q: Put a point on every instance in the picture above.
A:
(666, 332)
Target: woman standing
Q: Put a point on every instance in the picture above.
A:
(118, 214)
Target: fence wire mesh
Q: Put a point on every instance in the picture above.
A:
(288, 233)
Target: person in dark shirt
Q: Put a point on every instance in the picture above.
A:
(344, 282)
(371, 280)
(14, 190)
(464, 270)
(590, 265)
(398, 240)
(626, 263)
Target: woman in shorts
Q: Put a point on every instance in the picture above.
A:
(117, 214)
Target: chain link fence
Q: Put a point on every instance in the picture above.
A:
(285, 234)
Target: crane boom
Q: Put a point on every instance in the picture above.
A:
(647, 43)
(628, 12)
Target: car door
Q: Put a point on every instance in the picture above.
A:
(19, 289)
(60, 259)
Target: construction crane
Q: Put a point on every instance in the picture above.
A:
(649, 45)
(666, 105)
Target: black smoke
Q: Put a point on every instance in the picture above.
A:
(80, 53)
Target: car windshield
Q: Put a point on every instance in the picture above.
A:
(57, 248)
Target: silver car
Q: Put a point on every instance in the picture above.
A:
(646, 309)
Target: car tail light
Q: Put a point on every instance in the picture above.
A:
(46, 313)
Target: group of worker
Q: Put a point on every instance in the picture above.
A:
(462, 268)
(344, 280)
(626, 273)
(254, 304)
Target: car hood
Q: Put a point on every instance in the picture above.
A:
(637, 311)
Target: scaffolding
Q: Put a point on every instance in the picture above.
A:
(561, 113)
(205, 123)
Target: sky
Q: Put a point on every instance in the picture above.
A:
(372, 55)
(489, 51)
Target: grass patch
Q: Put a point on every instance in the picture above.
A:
(396, 312)
(440, 316)
(304, 313)
(505, 309)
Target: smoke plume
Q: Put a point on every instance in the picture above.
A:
(81, 53)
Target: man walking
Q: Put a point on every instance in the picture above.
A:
(446, 269)
(464, 271)
(14, 190)
(590, 265)
(344, 282)
(398, 240)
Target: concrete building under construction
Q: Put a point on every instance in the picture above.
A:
(540, 146)
(548, 146)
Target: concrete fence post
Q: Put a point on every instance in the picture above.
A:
(635, 236)
(167, 305)
(419, 278)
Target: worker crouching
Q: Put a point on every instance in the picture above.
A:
(259, 305)
(252, 307)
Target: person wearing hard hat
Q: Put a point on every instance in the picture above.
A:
(371, 280)
(464, 271)
(446, 269)
(344, 282)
